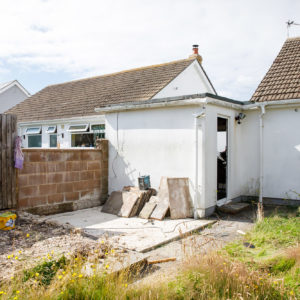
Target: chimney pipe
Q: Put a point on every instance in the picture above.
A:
(196, 55)
(195, 49)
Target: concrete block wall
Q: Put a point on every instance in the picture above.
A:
(59, 180)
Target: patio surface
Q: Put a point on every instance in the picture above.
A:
(131, 233)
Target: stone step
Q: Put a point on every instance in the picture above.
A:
(233, 208)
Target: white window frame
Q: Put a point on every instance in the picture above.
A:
(38, 130)
(78, 130)
(51, 131)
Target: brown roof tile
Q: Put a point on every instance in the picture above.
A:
(81, 97)
(282, 81)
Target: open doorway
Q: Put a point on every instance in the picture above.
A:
(222, 153)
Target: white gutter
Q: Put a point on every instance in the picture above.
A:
(271, 103)
(193, 101)
(196, 122)
(261, 153)
(160, 104)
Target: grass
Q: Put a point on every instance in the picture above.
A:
(277, 249)
(271, 270)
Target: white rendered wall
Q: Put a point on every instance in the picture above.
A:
(247, 159)
(155, 142)
(11, 97)
(191, 81)
(282, 153)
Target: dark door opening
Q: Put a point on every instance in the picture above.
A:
(222, 143)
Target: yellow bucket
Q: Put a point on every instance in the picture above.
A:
(7, 221)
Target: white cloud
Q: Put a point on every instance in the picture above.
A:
(238, 39)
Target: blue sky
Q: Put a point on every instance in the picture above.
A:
(45, 42)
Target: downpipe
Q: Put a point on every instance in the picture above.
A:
(261, 161)
(261, 157)
(196, 124)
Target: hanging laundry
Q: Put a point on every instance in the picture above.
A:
(19, 156)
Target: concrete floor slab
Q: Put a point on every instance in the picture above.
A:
(131, 233)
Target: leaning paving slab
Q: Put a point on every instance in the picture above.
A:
(131, 233)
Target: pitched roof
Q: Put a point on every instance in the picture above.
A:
(80, 97)
(6, 85)
(282, 81)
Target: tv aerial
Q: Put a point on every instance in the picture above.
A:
(289, 24)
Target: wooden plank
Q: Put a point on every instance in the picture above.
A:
(162, 260)
(14, 170)
(179, 198)
(8, 162)
(1, 198)
(4, 162)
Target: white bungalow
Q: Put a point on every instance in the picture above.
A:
(167, 120)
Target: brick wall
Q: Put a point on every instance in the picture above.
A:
(58, 180)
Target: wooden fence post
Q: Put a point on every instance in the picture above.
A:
(8, 133)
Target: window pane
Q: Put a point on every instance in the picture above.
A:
(98, 127)
(83, 140)
(82, 127)
(99, 135)
(53, 140)
(51, 129)
(33, 130)
(34, 141)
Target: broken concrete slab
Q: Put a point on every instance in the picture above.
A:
(163, 191)
(134, 233)
(160, 211)
(162, 200)
(143, 197)
(114, 203)
(130, 204)
(233, 208)
(147, 210)
(122, 262)
(179, 198)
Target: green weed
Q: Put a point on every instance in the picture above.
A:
(45, 271)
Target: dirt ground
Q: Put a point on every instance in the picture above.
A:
(35, 238)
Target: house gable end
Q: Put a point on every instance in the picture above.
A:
(192, 80)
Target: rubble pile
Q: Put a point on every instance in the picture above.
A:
(172, 199)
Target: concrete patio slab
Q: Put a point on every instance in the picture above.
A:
(131, 233)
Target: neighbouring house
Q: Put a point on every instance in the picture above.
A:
(11, 93)
(167, 120)
(63, 115)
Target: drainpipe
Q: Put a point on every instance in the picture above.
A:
(261, 171)
(196, 122)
